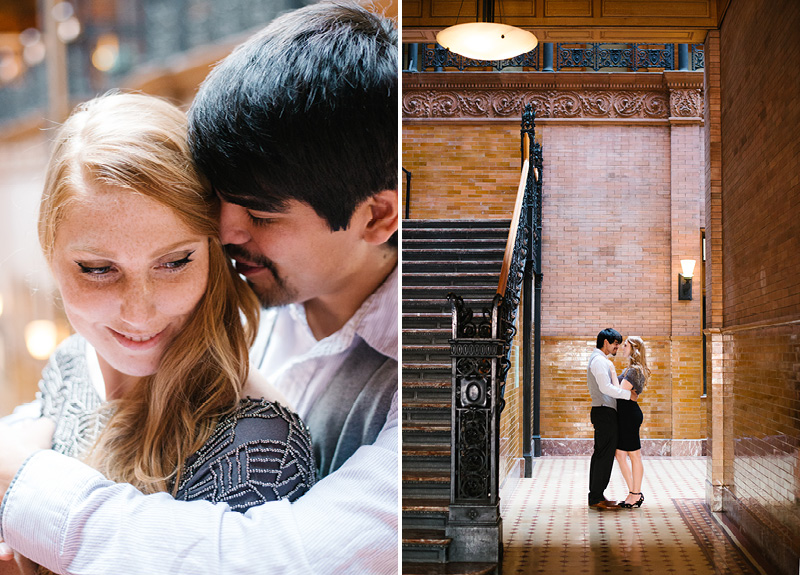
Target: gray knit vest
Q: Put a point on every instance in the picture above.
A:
(353, 408)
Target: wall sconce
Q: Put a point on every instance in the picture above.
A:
(685, 280)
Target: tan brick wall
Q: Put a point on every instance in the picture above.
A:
(671, 404)
(606, 228)
(511, 418)
(462, 171)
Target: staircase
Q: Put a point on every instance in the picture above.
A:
(439, 257)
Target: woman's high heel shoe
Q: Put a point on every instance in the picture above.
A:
(637, 503)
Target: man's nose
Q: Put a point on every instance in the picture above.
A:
(233, 224)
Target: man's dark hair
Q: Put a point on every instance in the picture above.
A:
(610, 335)
(305, 110)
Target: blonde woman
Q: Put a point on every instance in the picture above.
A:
(630, 419)
(155, 388)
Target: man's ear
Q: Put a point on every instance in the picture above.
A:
(383, 214)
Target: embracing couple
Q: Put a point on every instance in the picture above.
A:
(184, 429)
(616, 417)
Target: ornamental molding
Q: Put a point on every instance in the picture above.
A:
(571, 96)
(686, 103)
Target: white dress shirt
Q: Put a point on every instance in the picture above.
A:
(69, 518)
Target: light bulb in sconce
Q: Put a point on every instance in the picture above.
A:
(687, 267)
(685, 280)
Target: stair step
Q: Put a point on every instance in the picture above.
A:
(427, 537)
(425, 477)
(438, 427)
(498, 232)
(410, 568)
(420, 505)
(427, 450)
(423, 384)
(428, 366)
(426, 404)
(455, 223)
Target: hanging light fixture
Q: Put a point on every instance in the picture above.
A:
(486, 39)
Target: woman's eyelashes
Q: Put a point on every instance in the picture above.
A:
(103, 271)
(180, 263)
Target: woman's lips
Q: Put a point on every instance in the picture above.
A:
(140, 342)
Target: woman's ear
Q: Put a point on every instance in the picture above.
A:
(383, 214)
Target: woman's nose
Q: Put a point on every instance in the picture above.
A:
(138, 303)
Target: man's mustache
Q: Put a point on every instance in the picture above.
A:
(238, 253)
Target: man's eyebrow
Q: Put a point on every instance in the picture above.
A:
(254, 203)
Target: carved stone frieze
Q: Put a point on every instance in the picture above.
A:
(686, 103)
(506, 103)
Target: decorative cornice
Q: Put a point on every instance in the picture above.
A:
(686, 103)
(581, 96)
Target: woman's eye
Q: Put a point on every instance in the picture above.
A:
(178, 264)
(94, 270)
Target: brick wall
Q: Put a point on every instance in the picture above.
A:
(462, 171)
(622, 205)
(606, 229)
(759, 223)
(760, 161)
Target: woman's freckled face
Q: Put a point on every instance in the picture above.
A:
(130, 274)
(625, 349)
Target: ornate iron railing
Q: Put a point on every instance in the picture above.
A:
(568, 56)
(480, 349)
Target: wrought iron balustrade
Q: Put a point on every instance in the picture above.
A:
(568, 56)
(480, 349)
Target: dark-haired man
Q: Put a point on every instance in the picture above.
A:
(604, 390)
(297, 133)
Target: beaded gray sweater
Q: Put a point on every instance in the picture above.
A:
(261, 452)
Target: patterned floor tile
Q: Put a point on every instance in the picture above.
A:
(549, 528)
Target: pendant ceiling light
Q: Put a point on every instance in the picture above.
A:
(486, 40)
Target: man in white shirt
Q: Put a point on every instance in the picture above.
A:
(297, 134)
(604, 390)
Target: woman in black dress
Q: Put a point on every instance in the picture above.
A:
(634, 377)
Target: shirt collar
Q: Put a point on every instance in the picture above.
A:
(375, 322)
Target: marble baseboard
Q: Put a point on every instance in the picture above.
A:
(650, 447)
(771, 541)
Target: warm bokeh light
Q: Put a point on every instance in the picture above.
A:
(105, 55)
(41, 338)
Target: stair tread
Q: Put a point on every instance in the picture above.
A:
(427, 450)
(410, 568)
(426, 476)
(428, 365)
(425, 537)
(429, 384)
(426, 403)
(420, 505)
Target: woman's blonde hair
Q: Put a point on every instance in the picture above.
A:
(638, 357)
(138, 143)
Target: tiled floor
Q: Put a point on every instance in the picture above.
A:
(548, 527)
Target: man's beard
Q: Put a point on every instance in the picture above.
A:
(278, 292)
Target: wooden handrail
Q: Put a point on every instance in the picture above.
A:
(512, 232)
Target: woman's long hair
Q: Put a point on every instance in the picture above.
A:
(137, 143)
(638, 359)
